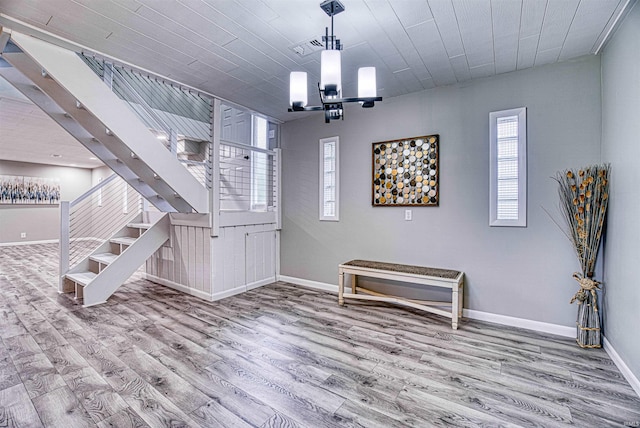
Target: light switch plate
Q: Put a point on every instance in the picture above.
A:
(407, 215)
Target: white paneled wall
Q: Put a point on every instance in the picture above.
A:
(260, 262)
(186, 261)
(240, 258)
(243, 257)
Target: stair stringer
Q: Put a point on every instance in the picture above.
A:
(121, 269)
(67, 80)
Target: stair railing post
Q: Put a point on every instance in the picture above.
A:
(214, 194)
(64, 242)
(277, 178)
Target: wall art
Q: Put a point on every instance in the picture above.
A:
(16, 189)
(406, 172)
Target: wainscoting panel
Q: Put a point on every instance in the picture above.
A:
(187, 259)
(260, 256)
(239, 259)
(242, 256)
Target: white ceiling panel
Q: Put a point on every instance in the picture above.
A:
(416, 64)
(27, 134)
(28, 10)
(485, 70)
(187, 24)
(527, 51)
(505, 16)
(427, 41)
(411, 12)
(531, 18)
(395, 62)
(132, 5)
(409, 81)
(427, 83)
(460, 67)
(474, 20)
(557, 22)
(447, 24)
(265, 66)
(261, 10)
(547, 57)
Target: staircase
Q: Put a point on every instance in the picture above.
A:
(102, 272)
(94, 260)
(64, 87)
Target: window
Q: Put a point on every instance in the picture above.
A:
(508, 154)
(259, 166)
(247, 160)
(329, 179)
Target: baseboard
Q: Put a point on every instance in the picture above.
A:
(622, 366)
(260, 283)
(179, 287)
(308, 283)
(229, 293)
(538, 326)
(12, 244)
(202, 294)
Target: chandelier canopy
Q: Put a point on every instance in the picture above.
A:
(330, 85)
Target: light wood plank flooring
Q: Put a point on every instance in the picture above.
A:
(279, 356)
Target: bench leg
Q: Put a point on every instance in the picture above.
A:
(354, 283)
(460, 300)
(455, 308)
(340, 288)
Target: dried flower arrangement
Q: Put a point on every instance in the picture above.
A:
(584, 196)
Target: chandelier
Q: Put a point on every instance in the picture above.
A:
(330, 85)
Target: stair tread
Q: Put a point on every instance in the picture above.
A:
(140, 225)
(82, 278)
(104, 258)
(127, 240)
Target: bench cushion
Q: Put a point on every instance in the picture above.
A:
(395, 267)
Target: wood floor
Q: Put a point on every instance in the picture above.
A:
(279, 356)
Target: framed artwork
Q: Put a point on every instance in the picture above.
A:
(16, 189)
(406, 172)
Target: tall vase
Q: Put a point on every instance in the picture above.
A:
(588, 321)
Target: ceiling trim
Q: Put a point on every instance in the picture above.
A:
(611, 28)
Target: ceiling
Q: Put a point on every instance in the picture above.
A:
(27, 134)
(244, 50)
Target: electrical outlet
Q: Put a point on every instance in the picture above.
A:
(407, 215)
(23, 235)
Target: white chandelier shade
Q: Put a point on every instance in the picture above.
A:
(298, 88)
(330, 70)
(367, 82)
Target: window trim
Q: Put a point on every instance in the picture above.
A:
(521, 221)
(336, 216)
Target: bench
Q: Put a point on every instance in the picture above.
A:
(445, 278)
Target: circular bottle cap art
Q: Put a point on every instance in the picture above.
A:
(413, 179)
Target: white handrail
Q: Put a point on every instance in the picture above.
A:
(91, 191)
(115, 205)
(247, 147)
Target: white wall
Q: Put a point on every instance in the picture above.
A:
(519, 272)
(42, 222)
(621, 147)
